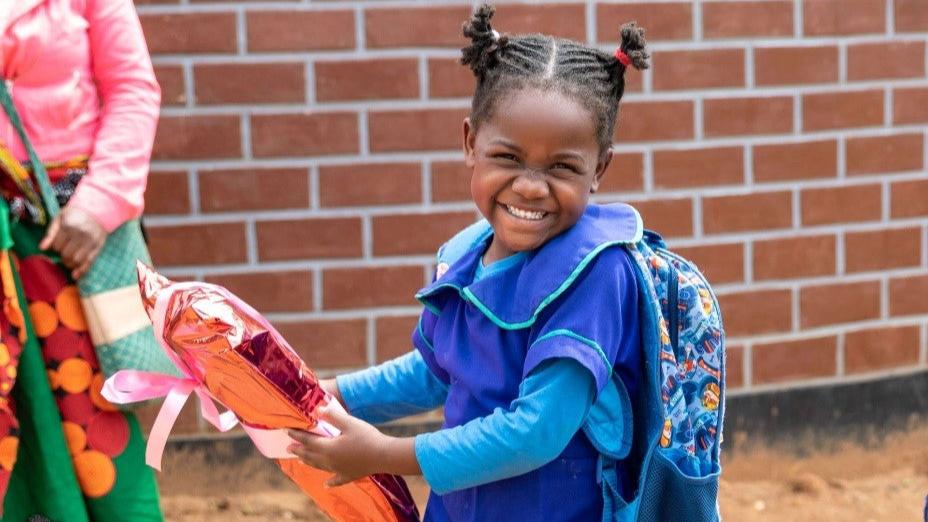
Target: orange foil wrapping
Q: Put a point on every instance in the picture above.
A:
(245, 364)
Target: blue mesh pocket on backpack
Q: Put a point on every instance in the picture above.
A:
(668, 495)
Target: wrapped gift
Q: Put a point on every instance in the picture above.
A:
(230, 354)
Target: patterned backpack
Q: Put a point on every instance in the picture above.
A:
(678, 423)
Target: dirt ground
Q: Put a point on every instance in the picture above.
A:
(879, 481)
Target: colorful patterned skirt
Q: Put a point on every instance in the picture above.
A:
(66, 454)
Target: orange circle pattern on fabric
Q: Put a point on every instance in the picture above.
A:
(68, 305)
(95, 473)
(96, 387)
(74, 375)
(8, 447)
(4, 355)
(44, 318)
(75, 436)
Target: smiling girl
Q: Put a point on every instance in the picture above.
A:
(528, 318)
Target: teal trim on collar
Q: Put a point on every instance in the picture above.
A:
(422, 334)
(569, 333)
(514, 296)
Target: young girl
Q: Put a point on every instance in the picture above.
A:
(525, 323)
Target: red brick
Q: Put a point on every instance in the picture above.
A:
(206, 244)
(290, 291)
(190, 33)
(734, 366)
(675, 70)
(794, 257)
(909, 199)
(624, 174)
(394, 336)
(380, 78)
(171, 80)
(795, 161)
(253, 189)
(288, 30)
(910, 105)
(739, 19)
(449, 79)
(197, 137)
(304, 134)
(794, 360)
(843, 17)
(907, 295)
(698, 167)
(328, 343)
(372, 184)
(406, 27)
(566, 20)
(415, 130)
(309, 238)
(662, 21)
(839, 303)
(883, 249)
(880, 348)
(746, 212)
(835, 110)
(720, 263)
(647, 121)
(167, 193)
(795, 65)
(739, 116)
(880, 154)
(668, 217)
(370, 287)
(911, 16)
(187, 423)
(450, 181)
(409, 234)
(249, 83)
(847, 204)
(756, 312)
(885, 60)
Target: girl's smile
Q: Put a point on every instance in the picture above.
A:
(535, 162)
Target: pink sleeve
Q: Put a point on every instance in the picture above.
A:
(114, 187)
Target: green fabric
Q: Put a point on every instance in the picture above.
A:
(43, 479)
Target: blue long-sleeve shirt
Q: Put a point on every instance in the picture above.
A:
(553, 402)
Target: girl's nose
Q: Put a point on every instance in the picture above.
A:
(531, 184)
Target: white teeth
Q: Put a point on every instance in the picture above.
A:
(524, 214)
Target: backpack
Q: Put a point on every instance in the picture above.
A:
(676, 435)
(672, 444)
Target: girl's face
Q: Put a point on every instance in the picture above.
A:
(534, 164)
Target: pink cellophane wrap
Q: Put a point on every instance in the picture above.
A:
(229, 353)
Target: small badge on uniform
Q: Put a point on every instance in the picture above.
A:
(441, 269)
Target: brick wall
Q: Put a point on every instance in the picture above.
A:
(308, 159)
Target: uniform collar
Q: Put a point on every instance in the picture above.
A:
(513, 297)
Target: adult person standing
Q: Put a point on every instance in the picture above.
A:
(82, 83)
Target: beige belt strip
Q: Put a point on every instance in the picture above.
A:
(114, 314)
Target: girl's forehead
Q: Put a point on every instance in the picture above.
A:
(536, 116)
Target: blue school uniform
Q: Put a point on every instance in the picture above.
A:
(576, 298)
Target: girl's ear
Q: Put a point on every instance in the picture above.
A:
(601, 170)
(470, 139)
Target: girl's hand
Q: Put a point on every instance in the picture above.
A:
(78, 237)
(351, 455)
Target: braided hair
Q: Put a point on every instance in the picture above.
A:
(593, 78)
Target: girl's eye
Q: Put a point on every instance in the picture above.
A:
(564, 166)
(505, 156)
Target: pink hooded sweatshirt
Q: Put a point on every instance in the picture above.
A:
(83, 83)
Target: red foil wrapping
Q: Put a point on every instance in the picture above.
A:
(247, 366)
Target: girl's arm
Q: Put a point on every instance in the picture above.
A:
(394, 389)
(553, 403)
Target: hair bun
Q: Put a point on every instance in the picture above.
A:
(633, 45)
(485, 41)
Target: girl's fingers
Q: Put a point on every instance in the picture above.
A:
(305, 438)
(336, 417)
(308, 457)
(337, 480)
(51, 235)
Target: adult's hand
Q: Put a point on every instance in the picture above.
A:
(78, 237)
